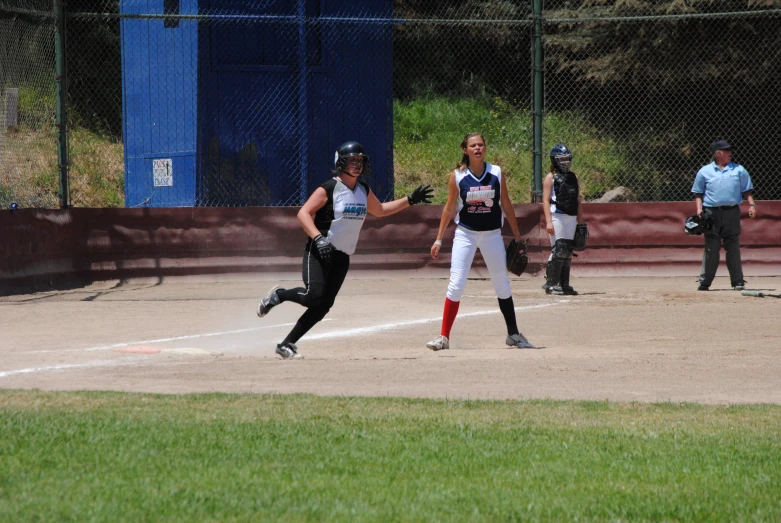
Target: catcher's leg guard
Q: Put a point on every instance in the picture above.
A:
(553, 276)
(559, 253)
(565, 271)
(561, 249)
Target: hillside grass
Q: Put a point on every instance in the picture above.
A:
(96, 174)
(427, 135)
(113, 456)
(30, 172)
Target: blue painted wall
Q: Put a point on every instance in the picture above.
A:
(160, 96)
(226, 102)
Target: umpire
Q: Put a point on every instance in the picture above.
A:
(721, 186)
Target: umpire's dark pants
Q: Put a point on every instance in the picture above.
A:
(726, 229)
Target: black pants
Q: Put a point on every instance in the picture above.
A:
(726, 229)
(323, 282)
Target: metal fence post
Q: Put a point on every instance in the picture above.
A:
(303, 110)
(537, 111)
(61, 100)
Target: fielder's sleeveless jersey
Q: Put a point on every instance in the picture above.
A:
(341, 218)
(479, 199)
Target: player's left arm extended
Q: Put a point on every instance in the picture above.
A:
(509, 212)
(376, 208)
(422, 194)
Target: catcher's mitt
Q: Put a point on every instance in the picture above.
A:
(581, 233)
(517, 260)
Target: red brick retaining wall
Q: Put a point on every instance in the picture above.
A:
(42, 247)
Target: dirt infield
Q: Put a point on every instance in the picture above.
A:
(624, 339)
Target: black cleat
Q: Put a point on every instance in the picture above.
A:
(555, 290)
(269, 301)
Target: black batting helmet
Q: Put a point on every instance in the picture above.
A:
(698, 224)
(348, 149)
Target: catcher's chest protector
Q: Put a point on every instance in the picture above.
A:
(565, 187)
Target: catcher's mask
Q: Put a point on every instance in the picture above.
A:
(696, 224)
(561, 157)
(349, 150)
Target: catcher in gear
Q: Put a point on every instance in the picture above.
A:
(477, 200)
(561, 203)
(332, 217)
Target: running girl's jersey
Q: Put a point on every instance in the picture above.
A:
(341, 218)
(479, 200)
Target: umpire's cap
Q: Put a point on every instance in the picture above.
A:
(719, 145)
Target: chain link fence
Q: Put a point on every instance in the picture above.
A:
(234, 103)
(28, 136)
(640, 92)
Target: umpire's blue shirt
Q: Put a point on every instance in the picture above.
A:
(722, 186)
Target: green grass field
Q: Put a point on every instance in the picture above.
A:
(134, 457)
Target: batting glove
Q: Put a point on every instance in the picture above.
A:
(324, 248)
(420, 195)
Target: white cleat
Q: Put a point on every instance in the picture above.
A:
(288, 351)
(440, 343)
(518, 341)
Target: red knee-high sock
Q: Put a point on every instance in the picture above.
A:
(449, 316)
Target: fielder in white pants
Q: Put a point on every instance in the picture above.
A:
(477, 201)
(465, 245)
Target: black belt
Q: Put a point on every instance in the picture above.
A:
(722, 207)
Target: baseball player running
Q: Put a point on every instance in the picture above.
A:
(477, 198)
(332, 217)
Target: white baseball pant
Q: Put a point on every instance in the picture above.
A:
(465, 245)
(563, 228)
